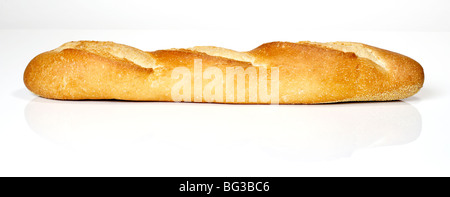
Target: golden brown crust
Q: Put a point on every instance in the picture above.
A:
(308, 72)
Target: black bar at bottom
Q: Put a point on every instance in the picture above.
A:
(209, 186)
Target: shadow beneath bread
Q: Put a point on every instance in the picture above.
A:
(293, 132)
(23, 94)
(426, 93)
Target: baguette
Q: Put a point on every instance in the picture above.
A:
(276, 72)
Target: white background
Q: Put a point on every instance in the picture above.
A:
(41, 137)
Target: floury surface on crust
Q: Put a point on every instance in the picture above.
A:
(307, 73)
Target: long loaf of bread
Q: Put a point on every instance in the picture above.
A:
(276, 72)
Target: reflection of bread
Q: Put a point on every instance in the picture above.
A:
(308, 72)
(306, 132)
